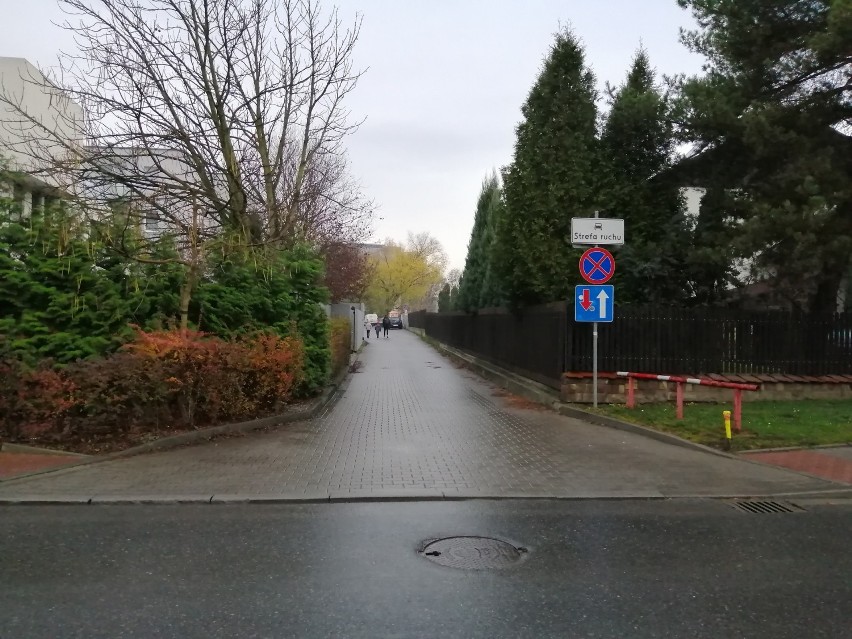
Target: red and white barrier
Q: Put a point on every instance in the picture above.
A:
(738, 389)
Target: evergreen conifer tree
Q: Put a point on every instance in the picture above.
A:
(552, 178)
(637, 145)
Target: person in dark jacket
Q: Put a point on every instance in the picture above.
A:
(386, 325)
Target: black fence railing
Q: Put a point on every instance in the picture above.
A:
(531, 344)
(544, 341)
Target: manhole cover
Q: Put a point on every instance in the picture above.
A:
(766, 507)
(473, 553)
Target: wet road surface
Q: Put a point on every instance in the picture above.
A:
(637, 568)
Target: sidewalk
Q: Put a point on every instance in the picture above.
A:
(12, 464)
(411, 425)
(834, 464)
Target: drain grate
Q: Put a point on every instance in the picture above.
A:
(473, 553)
(766, 507)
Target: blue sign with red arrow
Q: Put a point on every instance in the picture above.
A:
(597, 265)
(594, 303)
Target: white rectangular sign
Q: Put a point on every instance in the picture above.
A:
(596, 230)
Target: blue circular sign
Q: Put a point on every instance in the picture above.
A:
(597, 265)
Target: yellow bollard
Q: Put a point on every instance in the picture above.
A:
(727, 415)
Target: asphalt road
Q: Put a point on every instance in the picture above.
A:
(668, 568)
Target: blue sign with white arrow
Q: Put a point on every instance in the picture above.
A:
(594, 303)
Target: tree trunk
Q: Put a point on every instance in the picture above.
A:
(185, 297)
(831, 276)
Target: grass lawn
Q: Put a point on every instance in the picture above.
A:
(765, 424)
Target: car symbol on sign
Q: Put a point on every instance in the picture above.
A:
(598, 226)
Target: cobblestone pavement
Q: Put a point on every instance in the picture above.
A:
(830, 463)
(410, 424)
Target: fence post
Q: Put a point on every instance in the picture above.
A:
(738, 409)
(565, 325)
(568, 352)
(680, 400)
(631, 393)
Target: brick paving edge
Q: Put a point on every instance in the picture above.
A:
(328, 398)
(228, 500)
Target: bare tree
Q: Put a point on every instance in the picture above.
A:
(202, 116)
(245, 92)
(430, 249)
(347, 272)
(453, 277)
(331, 207)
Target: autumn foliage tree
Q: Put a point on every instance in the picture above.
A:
(410, 274)
(346, 271)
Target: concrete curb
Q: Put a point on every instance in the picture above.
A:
(329, 395)
(334, 497)
(790, 449)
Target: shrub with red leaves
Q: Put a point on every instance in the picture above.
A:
(35, 403)
(161, 380)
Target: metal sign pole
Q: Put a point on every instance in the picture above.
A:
(595, 355)
(595, 363)
(597, 266)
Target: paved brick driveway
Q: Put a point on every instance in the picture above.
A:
(411, 424)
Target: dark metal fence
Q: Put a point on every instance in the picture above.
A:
(531, 344)
(544, 341)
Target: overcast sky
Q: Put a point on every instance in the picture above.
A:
(444, 85)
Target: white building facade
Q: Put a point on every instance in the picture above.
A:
(41, 129)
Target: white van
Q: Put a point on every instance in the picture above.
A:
(371, 318)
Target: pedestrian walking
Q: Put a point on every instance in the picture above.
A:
(378, 327)
(367, 328)
(386, 325)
